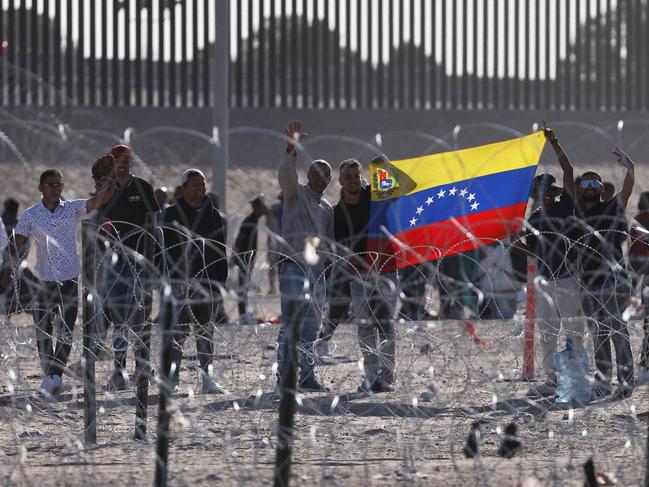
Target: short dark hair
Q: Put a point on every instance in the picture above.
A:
(49, 172)
(590, 174)
(348, 164)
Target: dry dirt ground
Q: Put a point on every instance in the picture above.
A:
(343, 438)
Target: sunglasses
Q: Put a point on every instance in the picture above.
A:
(590, 183)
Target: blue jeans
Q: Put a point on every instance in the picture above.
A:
(306, 289)
(126, 301)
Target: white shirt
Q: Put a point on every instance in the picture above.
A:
(55, 234)
(4, 239)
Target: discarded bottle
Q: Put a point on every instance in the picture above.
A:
(572, 369)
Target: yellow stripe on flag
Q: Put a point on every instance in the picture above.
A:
(407, 176)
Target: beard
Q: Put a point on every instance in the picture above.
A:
(591, 197)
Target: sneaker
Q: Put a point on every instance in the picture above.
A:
(312, 385)
(382, 386)
(47, 385)
(366, 387)
(623, 391)
(209, 386)
(119, 381)
(600, 390)
(57, 384)
(174, 384)
(322, 349)
(547, 389)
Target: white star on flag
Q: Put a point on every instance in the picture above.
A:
(413, 222)
(441, 193)
(471, 197)
(452, 191)
(429, 200)
(420, 209)
(463, 192)
(474, 206)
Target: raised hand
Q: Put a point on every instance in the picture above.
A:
(293, 134)
(622, 157)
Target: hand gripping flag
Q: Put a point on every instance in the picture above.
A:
(433, 206)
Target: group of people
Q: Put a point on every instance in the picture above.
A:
(576, 234)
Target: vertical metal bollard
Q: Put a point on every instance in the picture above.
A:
(144, 367)
(287, 402)
(162, 450)
(89, 333)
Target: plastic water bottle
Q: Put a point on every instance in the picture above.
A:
(572, 369)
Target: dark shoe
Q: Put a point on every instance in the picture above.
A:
(366, 387)
(311, 385)
(382, 386)
(623, 391)
(119, 381)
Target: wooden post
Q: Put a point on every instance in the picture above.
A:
(88, 245)
(530, 315)
(162, 450)
(143, 351)
(288, 383)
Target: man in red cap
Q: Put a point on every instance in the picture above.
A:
(124, 217)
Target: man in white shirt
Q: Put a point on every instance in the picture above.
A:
(52, 225)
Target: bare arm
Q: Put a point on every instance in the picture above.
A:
(564, 162)
(624, 160)
(101, 198)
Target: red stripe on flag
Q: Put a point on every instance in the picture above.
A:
(446, 238)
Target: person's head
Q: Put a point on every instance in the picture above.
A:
(11, 205)
(591, 186)
(608, 191)
(51, 185)
(259, 205)
(643, 202)
(123, 160)
(101, 171)
(161, 195)
(194, 186)
(178, 192)
(319, 175)
(349, 176)
(545, 189)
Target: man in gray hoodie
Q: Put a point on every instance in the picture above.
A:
(307, 229)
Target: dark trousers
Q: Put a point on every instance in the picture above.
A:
(130, 309)
(201, 315)
(245, 262)
(55, 299)
(603, 306)
(413, 281)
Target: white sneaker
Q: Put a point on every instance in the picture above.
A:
(209, 386)
(52, 384)
(322, 349)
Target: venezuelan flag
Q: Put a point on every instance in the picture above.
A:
(438, 205)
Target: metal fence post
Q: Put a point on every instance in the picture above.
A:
(162, 450)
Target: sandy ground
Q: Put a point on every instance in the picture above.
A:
(343, 438)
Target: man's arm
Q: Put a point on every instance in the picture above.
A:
(101, 198)
(624, 160)
(564, 162)
(287, 174)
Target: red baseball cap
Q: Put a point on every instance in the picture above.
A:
(120, 151)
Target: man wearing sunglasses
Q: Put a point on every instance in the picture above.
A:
(555, 293)
(598, 236)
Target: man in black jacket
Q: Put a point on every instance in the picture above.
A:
(195, 256)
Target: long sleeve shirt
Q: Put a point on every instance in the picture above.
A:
(305, 213)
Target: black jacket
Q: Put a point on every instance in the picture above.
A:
(194, 241)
